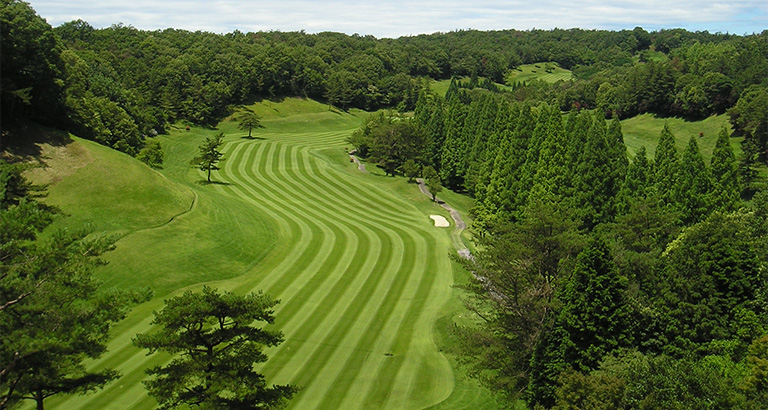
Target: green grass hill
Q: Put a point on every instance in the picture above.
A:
(363, 276)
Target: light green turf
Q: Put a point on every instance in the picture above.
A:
(644, 130)
(362, 274)
(548, 72)
(107, 189)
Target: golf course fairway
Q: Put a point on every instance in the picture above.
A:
(361, 272)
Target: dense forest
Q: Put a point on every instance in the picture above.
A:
(602, 281)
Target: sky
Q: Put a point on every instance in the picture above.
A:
(396, 18)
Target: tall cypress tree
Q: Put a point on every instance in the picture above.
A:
(665, 167)
(477, 137)
(453, 153)
(596, 182)
(538, 124)
(725, 174)
(552, 174)
(693, 185)
(636, 182)
(595, 314)
(618, 149)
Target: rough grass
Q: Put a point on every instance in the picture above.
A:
(362, 275)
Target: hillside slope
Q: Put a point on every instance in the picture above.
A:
(362, 273)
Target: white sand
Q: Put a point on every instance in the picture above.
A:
(440, 221)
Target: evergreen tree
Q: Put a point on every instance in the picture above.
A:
(618, 150)
(750, 153)
(453, 163)
(432, 180)
(692, 193)
(210, 155)
(552, 174)
(595, 179)
(595, 314)
(248, 121)
(215, 346)
(665, 167)
(53, 318)
(725, 174)
(637, 182)
(538, 125)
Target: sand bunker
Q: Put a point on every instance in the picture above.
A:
(440, 221)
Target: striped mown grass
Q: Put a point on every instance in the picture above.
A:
(362, 274)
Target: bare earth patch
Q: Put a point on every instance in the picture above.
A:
(440, 221)
(59, 162)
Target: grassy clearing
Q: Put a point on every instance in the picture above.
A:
(362, 274)
(644, 130)
(547, 71)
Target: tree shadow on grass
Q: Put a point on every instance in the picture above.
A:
(205, 182)
(252, 138)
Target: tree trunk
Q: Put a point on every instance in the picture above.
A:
(209, 175)
(39, 400)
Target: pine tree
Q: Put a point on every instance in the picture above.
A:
(693, 185)
(725, 174)
(210, 155)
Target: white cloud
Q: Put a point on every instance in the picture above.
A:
(397, 18)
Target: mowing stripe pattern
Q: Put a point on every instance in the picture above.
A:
(362, 276)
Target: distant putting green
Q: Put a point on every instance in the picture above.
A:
(547, 72)
(644, 130)
(363, 276)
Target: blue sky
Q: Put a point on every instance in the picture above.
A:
(397, 18)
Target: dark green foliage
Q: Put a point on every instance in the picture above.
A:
(750, 152)
(710, 281)
(210, 155)
(215, 346)
(750, 116)
(152, 154)
(596, 179)
(725, 174)
(551, 176)
(694, 185)
(453, 157)
(410, 169)
(53, 317)
(432, 180)
(665, 167)
(595, 315)
(547, 363)
(31, 72)
(594, 321)
(637, 381)
(389, 140)
(522, 267)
